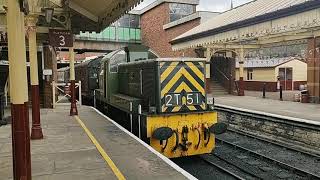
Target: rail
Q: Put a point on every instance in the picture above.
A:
(221, 168)
(283, 145)
(61, 94)
(287, 166)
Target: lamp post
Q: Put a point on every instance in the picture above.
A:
(48, 12)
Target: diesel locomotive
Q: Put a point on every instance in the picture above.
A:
(87, 72)
(160, 100)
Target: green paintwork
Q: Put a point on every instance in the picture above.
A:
(122, 102)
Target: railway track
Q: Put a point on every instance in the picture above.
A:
(301, 132)
(229, 169)
(282, 144)
(248, 152)
(242, 156)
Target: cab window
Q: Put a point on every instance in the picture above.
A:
(118, 58)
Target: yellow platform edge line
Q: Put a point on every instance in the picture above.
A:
(103, 153)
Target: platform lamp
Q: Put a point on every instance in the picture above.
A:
(48, 12)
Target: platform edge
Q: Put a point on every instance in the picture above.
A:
(308, 121)
(165, 159)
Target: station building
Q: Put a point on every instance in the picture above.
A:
(259, 27)
(154, 26)
(291, 73)
(90, 40)
(126, 30)
(163, 20)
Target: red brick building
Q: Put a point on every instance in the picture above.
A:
(164, 20)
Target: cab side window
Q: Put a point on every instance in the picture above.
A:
(101, 76)
(117, 59)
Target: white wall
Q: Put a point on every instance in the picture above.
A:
(299, 69)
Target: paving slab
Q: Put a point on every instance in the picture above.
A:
(305, 111)
(66, 152)
(133, 159)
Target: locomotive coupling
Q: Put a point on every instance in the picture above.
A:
(218, 128)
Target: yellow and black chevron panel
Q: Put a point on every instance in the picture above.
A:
(182, 86)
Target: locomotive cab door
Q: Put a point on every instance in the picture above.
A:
(111, 73)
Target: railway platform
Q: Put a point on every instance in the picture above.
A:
(308, 113)
(89, 147)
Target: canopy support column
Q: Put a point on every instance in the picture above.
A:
(208, 70)
(36, 130)
(241, 72)
(18, 92)
(73, 109)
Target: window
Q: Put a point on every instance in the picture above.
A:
(129, 21)
(285, 74)
(118, 58)
(178, 11)
(249, 74)
(134, 21)
(143, 55)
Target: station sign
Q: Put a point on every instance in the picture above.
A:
(60, 38)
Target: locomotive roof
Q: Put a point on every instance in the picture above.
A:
(63, 69)
(89, 62)
(182, 59)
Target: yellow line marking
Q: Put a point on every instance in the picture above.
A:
(105, 156)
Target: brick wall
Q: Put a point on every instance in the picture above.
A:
(154, 36)
(296, 84)
(270, 86)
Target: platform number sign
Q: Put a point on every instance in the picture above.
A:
(60, 38)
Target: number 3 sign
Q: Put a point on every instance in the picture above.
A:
(60, 38)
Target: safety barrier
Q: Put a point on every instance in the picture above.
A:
(62, 93)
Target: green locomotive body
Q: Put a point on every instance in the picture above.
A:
(161, 100)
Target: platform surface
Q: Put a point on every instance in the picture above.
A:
(67, 152)
(284, 108)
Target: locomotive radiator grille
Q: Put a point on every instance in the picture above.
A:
(182, 86)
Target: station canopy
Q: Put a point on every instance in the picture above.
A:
(95, 15)
(254, 24)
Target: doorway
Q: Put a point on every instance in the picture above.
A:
(285, 76)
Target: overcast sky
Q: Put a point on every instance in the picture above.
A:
(206, 5)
